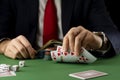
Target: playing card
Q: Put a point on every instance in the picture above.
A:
(86, 57)
(88, 74)
(59, 49)
(69, 57)
(60, 56)
(63, 56)
(7, 73)
(56, 56)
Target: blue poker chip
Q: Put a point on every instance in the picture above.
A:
(40, 54)
(47, 57)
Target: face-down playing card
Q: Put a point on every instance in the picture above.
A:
(60, 56)
(88, 74)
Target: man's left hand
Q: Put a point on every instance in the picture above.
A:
(78, 37)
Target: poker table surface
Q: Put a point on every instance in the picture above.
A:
(40, 69)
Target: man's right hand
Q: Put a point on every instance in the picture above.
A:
(18, 47)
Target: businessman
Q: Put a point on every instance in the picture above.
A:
(25, 24)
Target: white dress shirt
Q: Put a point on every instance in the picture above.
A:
(42, 4)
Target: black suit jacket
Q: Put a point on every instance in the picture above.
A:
(112, 6)
(20, 17)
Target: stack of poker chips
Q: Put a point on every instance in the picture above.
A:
(44, 51)
(44, 54)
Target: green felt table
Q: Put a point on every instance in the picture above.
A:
(39, 69)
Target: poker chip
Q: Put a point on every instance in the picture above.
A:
(40, 54)
(47, 57)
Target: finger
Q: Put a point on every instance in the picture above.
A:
(9, 54)
(16, 52)
(78, 42)
(26, 43)
(20, 48)
(32, 52)
(65, 43)
(19, 56)
(86, 41)
(71, 37)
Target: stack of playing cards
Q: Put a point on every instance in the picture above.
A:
(8, 70)
(60, 56)
(88, 74)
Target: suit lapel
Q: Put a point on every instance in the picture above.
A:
(67, 7)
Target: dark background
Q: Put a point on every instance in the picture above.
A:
(113, 8)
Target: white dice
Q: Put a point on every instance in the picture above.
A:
(21, 63)
(5, 67)
(15, 68)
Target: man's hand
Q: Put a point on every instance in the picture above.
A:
(78, 37)
(18, 47)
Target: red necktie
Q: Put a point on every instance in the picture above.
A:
(50, 30)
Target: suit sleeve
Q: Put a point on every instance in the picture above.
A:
(6, 19)
(100, 21)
